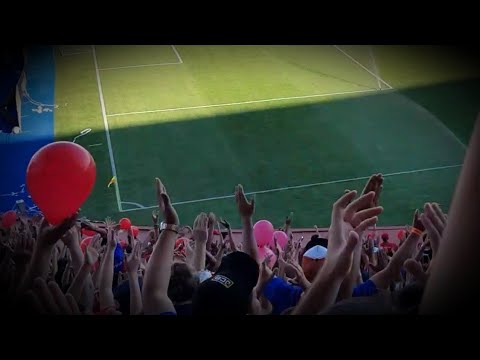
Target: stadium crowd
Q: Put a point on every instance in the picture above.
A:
(201, 270)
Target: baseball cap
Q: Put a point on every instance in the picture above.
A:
(317, 252)
(229, 291)
(312, 261)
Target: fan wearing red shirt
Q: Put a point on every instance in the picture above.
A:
(388, 246)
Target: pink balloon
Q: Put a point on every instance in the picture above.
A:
(263, 232)
(261, 252)
(281, 237)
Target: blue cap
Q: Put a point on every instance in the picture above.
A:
(281, 294)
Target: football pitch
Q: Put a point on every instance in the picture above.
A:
(296, 125)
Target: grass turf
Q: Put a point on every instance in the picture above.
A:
(203, 152)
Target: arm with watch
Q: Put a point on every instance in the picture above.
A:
(159, 267)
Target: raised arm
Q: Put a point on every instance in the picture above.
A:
(288, 224)
(107, 301)
(219, 254)
(47, 238)
(342, 241)
(373, 184)
(159, 267)
(233, 246)
(246, 209)
(133, 264)
(200, 237)
(78, 283)
(453, 281)
(385, 277)
(211, 226)
(72, 240)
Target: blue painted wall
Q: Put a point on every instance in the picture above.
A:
(37, 128)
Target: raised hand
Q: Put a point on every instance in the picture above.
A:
(417, 222)
(189, 251)
(96, 242)
(415, 269)
(288, 219)
(109, 223)
(435, 222)
(212, 219)
(49, 235)
(200, 227)
(169, 214)
(111, 234)
(245, 208)
(299, 278)
(225, 223)
(133, 259)
(222, 243)
(91, 255)
(265, 275)
(347, 220)
(374, 184)
(72, 236)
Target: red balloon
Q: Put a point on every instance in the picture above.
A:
(125, 223)
(9, 219)
(60, 177)
(88, 232)
(135, 231)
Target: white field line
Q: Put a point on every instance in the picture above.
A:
(134, 204)
(77, 53)
(137, 66)
(107, 131)
(375, 69)
(363, 67)
(304, 186)
(180, 61)
(93, 145)
(241, 103)
(177, 54)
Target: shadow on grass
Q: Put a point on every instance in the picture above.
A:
(386, 131)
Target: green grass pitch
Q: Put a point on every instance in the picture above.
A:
(296, 124)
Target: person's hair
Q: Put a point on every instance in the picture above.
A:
(182, 283)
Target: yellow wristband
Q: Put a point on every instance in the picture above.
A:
(416, 231)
